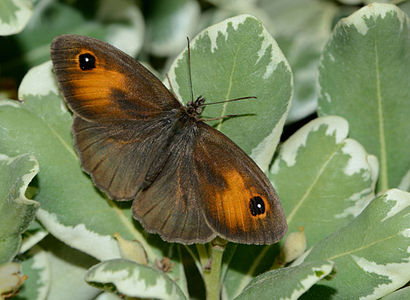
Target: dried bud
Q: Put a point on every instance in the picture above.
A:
(132, 250)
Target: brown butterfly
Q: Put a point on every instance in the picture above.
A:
(190, 183)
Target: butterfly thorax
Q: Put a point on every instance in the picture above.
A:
(193, 109)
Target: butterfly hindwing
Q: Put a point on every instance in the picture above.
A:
(170, 205)
(237, 199)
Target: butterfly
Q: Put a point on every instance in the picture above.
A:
(188, 181)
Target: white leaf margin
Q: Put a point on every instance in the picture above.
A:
(373, 10)
(312, 279)
(21, 199)
(395, 272)
(26, 178)
(402, 200)
(313, 272)
(102, 247)
(31, 240)
(335, 125)
(42, 265)
(22, 17)
(31, 85)
(130, 280)
(37, 262)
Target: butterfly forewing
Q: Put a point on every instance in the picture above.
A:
(123, 115)
(99, 82)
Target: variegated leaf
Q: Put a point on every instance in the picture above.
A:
(16, 211)
(134, 280)
(364, 77)
(371, 254)
(14, 15)
(324, 179)
(286, 283)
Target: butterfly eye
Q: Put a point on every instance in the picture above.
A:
(257, 206)
(87, 61)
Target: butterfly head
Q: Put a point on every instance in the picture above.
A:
(194, 108)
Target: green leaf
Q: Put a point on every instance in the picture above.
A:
(123, 23)
(383, 1)
(405, 6)
(323, 178)
(351, 2)
(300, 39)
(70, 267)
(37, 268)
(399, 295)
(239, 58)
(14, 15)
(108, 296)
(56, 271)
(134, 280)
(34, 234)
(169, 22)
(32, 46)
(301, 28)
(371, 253)
(16, 211)
(233, 3)
(71, 207)
(286, 283)
(247, 262)
(363, 77)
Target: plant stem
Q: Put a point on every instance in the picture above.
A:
(203, 256)
(212, 276)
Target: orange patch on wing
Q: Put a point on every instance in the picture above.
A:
(234, 201)
(92, 89)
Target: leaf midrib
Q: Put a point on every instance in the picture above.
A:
(310, 187)
(382, 138)
(228, 92)
(360, 248)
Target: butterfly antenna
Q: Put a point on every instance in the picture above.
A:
(226, 117)
(229, 100)
(189, 70)
(170, 85)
